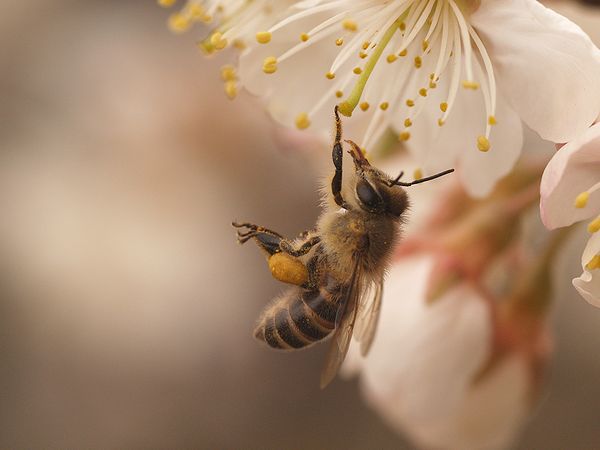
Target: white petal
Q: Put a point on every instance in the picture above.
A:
(489, 416)
(480, 171)
(588, 284)
(455, 144)
(573, 169)
(546, 64)
(425, 355)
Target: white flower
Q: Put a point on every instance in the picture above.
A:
(473, 67)
(570, 192)
(233, 23)
(424, 371)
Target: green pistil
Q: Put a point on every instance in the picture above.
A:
(347, 106)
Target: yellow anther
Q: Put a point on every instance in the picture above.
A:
(339, 42)
(384, 106)
(404, 136)
(483, 144)
(418, 174)
(263, 37)
(357, 70)
(410, 103)
(228, 73)
(407, 123)
(362, 55)
(304, 37)
(339, 94)
(166, 3)
(330, 75)
(365, 45)
(391, 58)
(402, 26)
(196, 12)
(403, 52)
(345, 108)
(594, 225)
(206, 47)
(492, 120)
(302, 121)
(238, 44)
(582, 199)
(364, 106)
(423, 92)
(441, 122)
(216, 39)
(270, 65)
(425, 45)
(431, 76)
(432, 84)
(350, 25)
(470, 85)
(178, 23)
(418, 62)
(594, 263)
(444, 106)
(231, 89)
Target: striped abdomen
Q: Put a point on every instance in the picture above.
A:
(300, 317)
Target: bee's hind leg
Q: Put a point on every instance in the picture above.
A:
(273, 242)
(266, 239)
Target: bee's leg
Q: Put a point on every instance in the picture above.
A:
(301, 249)
(337, 156)
(266, 239)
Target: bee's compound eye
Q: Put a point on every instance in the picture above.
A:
(367, 195)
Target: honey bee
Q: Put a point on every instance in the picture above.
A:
(337, 269)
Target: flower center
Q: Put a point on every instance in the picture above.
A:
(393, 54)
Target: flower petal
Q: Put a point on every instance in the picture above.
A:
(425, 355)
(588, 284)
(455, 143)
(546, 64)
(573, 169)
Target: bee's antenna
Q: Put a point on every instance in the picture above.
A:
(397, 182)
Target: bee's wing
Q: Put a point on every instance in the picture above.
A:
(368, 315)
(344, 327)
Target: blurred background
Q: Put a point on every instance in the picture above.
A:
(126, 306)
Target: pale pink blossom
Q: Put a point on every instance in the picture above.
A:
(570, 193)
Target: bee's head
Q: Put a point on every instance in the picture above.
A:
(374, 191)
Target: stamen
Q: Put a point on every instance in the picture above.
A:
(384, 106)
(594, 225)
(263, 37)
(304, 37)
(418, 174)
(594, 263)
(270, 65)
(302, 121)
(404, 135)
(350, 25)
(483, 143)
(582, 199)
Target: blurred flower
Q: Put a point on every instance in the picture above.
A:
(459, 355)
(570, 192)
(233, 22)
(403, 63)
